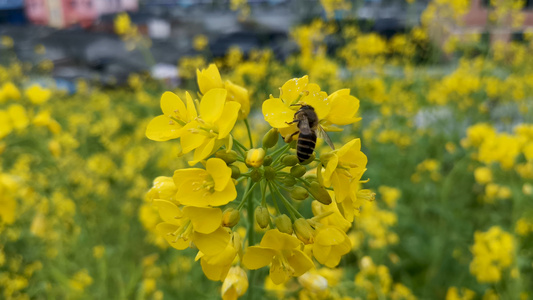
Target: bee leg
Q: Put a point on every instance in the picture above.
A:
(295, 121)
(288, 139)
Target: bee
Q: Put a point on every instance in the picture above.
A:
(308, 128)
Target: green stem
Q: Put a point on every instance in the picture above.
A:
(273, 198)
(251, 242)
(282, 150)
(293, 211)
(249, 133)
(247, 193)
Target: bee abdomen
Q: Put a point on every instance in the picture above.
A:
(306, 146)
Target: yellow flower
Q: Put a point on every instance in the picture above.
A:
(122, 24)
(175, 115)
(255, 157)
(163, 187)
(9, 91)
(493, 252)
(331, 243)
(206, 133)
(343, 170)
(235, 284)
(37, 94)
(281, 251)
(6, 126)
(483, 175)
(18, 115)
(192, 225)
(210, 187)
(337, 109)
(200, 42)
(217, 266)
(209, 79)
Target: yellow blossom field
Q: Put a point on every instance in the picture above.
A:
(389, 168)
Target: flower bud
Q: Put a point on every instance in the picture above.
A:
(303, 231)
(299, 193)
(267, 161)
(262, 217)
(271, 138)
(319, 193)
(298, 171)
(290, 160)
(235, 172)
(228, 156)
(256, 175)
(254, 157)
(289, 181)
(283, 223)
(311, 177)
(230, 217)
(270, 173)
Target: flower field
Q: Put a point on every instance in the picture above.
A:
(216, 189)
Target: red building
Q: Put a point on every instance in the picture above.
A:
(65, 13)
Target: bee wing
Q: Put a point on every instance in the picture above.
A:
(323, 135)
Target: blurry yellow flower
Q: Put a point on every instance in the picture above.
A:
(202, 188)
(37, 94)
(200, 42)
(18, 115)
(235, 284)
(6, 126)
(7, 41)
(80, 280)
(493, 252)
(98, 251)
(281, 251)
(483, 175)
(9, 91)
(390, 195)
(122, 24)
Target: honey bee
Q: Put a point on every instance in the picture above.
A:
(308, 128)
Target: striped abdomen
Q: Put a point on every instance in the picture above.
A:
(306, 145)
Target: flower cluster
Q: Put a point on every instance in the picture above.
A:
(200, 208)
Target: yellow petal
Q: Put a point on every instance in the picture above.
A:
(182, 175)
(300, 262)
(330, 168)
(223, 197)
(240, 95)
(215, 272)
(226, 123)
(162, 128)
(344, 107)
(211, 243)
(276, 113)
(168, 211)
(212, 105)
(203, 151)
(319, 101)
(209, 79)
(204, 220)
(291, 90)
(257, 257)
(165, 230)
(330, 236)
(219, 171)
(225, 257)
(191, 108)
(5, 124)
(321, 252)
(172, 105)
(191, 193)
(191, 140)
(280, 241)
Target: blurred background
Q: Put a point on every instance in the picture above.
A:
(446, 100)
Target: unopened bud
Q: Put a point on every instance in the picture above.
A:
(290, 160)
(311, 177)
(283, 223)
(271, 138)
(319, 193)
(262, 217)
(228, 156)
(230, 217)
(254, 157)
(256, 175)
(235, 172)
(267, 161)
(289, 181)
(298, 171)
(270, 173)
(299, 193)
(309, 160)
(303, 231)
